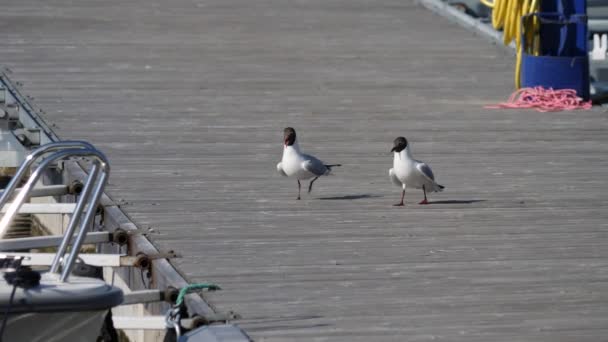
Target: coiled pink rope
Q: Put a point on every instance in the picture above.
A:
(544, 100)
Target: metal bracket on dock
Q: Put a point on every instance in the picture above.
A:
(28, 136)
(144, 261)
(119, 237)
(9, 111)
(75, 187)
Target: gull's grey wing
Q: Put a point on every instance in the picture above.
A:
(280, 170)
(426, 171)
(394, 179)
(313, 165)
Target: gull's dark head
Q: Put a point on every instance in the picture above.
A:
(289, 136)
(399, 144)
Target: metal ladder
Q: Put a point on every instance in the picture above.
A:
(87, 203)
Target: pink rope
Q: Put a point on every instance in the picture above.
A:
(544, 100)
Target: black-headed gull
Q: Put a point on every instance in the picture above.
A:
(302, 166)
(408, 171)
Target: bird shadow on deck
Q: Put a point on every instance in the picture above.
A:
(456, 201)
(349, 197)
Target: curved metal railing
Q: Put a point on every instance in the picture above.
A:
(87, 203)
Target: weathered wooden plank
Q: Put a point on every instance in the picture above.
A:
(188, 99)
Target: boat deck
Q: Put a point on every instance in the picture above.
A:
(189, 99)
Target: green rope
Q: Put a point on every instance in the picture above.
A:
(193, 287)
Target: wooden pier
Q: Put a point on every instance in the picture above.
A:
(188, 98)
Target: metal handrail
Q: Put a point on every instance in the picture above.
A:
(88, 219)
(31, 158)
(89, 197)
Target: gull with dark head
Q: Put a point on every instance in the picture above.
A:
(300, 165)
(410, 172)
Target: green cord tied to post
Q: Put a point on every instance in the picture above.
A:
(193, 287)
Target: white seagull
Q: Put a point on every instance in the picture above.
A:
(408, 171)
(295, 163)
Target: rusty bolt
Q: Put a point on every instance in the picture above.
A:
(120, 237)
(142, 261)
(170, 294)
(75, 188)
